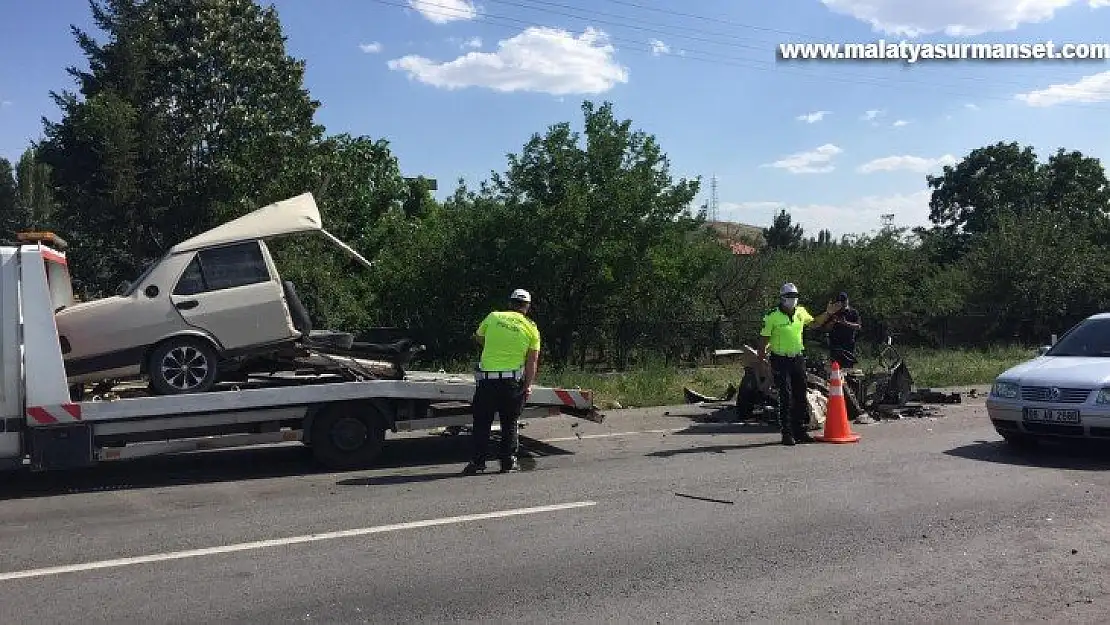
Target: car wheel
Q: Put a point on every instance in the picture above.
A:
(181, 366)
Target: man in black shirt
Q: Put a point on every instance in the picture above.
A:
(842, 328)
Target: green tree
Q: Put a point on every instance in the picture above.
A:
(1038, 269)
(1007, 179)
(783, 233)
(192, 113)
(356, 182)
(585, 214)
(990, 181)
(10, 217)
(35, 196)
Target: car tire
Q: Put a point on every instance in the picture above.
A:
(348, 435)
(180, 366)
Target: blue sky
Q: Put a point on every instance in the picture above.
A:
(455, 86)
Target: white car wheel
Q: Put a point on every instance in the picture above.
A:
(181, 366)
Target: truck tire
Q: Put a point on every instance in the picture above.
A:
(183, 365)
(348, 436)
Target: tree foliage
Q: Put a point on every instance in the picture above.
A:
(10, 217)
(784, 234)
(189, 114)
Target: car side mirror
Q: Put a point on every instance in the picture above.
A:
(123, 287)
(1043, 349)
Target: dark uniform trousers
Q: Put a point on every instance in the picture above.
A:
(790, 379)
(504, 397)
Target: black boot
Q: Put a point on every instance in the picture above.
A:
(787, 439)
(510, 465)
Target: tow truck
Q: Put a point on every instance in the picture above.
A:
(43, 427)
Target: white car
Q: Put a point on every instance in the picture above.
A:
(210, 301)
(1064, 392)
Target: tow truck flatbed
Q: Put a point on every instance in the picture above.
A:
(344, 422)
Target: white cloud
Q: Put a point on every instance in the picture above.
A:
(658, 47)
(818, 161)
(813, 118)
(444, 11)
(370, 48)
(472, 43)
(956, 18)
(900, 123)
(975, 107)
(915, 164)
(540, 59)
(1094, 88)
(6, 103)
(871, 115)
(858, 217)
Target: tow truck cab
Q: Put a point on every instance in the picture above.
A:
(34, 269)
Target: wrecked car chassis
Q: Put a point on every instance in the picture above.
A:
(878, 389)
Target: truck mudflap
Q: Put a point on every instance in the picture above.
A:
(67, 446)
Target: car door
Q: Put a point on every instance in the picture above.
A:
(230, 293)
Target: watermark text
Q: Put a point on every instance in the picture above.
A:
(909, 52)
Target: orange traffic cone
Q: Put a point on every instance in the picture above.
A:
(837, 429)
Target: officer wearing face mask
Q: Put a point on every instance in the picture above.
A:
(781, 345)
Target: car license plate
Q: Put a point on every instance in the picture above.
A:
(1049, 415)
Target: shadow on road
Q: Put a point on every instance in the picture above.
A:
(1074, 455)
(709, 449)
(750, 427)
(394, 480)
(232, 465)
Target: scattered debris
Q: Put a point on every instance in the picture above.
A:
(910, 410)
(710, 499)
(929, 396)
(694, 397)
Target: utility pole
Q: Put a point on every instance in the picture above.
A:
(713, 203)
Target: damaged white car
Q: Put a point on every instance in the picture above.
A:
(213, 309)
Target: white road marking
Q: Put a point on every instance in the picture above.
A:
(611, 435)
(280, 542)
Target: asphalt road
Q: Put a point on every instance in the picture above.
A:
(925, 520)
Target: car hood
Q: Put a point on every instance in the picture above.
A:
(1061, 371)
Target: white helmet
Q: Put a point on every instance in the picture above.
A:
(788, 290)
(521, 295)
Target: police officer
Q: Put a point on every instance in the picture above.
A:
(782, 336)
(510, 354)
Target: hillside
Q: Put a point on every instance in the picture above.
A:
(732, 232)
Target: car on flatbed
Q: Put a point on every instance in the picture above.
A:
(1062, 393)
(206, 312)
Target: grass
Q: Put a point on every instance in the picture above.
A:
(658, 385)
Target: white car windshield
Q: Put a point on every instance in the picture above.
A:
(1088, 339)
